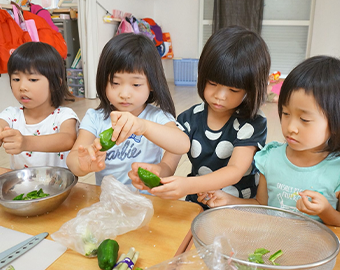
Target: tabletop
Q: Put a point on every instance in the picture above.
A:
(167, 234)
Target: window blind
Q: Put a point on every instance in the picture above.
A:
(285, 30)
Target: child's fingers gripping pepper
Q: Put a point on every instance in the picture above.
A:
(107, 254)
(149, 179)
(105, 139)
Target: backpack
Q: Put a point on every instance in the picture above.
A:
(47, 34)
(11, 37)
(156, 30)
(43, 13)
(144, 28)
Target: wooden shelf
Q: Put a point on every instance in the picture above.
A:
(8, 6)
(62, 10)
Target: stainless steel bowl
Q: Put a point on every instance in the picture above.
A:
(55, 181)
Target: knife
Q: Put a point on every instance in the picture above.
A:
(13, 253)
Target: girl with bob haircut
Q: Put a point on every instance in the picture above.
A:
(302, 174)
(135, 101)
(227, 128)
(40, 132)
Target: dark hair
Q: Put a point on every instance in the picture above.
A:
(44, 59)
(133, 53)
(319, 76)
(236, 57)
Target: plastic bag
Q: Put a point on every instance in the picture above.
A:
(119, 211)
(210, 257)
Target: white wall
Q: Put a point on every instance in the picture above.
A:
(178, 17)
(107, 30)
(326, 28)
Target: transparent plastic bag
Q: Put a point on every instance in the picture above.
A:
(210, 257)
(119, 211)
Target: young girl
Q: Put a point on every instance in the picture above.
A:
(40, 132)
(303, 173)
(130, 78)
(227, 128)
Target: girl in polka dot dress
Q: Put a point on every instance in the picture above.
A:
(40, 132)
(302, 174)
(227, 128)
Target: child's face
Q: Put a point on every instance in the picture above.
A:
(223, 98)
(31, 89)
(303, 124)
(128, 92)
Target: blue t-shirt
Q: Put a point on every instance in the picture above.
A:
(285, 180)
(135, 149)
(211, 150)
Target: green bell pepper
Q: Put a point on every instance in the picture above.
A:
(105, 139)
(107, 254)
(149, 179)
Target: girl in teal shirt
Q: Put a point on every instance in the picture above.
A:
(302, 174)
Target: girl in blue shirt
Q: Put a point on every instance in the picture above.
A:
(302, 174)
(135, 101)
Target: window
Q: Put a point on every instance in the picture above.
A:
(286, 29)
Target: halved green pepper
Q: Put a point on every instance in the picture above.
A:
(105, 139)
(149, 179)
(107, 254)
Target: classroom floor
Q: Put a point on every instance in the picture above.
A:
(184, 97)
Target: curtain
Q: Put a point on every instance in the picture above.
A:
(88, 36)
(247, 13)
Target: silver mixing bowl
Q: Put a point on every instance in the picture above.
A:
(56, 181)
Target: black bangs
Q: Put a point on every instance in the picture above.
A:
(26, 62)
(133, 53)
(35, 56)
(236, 57)
(231, 71)
(318, 76)
(133, 62)
(42, 58)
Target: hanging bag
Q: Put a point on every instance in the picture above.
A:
(124, 27)
(18, 18)
(11, 37)
(43, 13)
(47, 34)
(26, 25)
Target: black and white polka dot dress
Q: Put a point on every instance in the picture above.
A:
(211, 150)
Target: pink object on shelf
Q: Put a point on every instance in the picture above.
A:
(277, 88)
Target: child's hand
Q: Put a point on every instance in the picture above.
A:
(215, 198)
(1, 129)
(313, 206)
(125, 124)
(13, 141)
(173, 188)
(204, 197)
(133, 174)
(90, 158)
